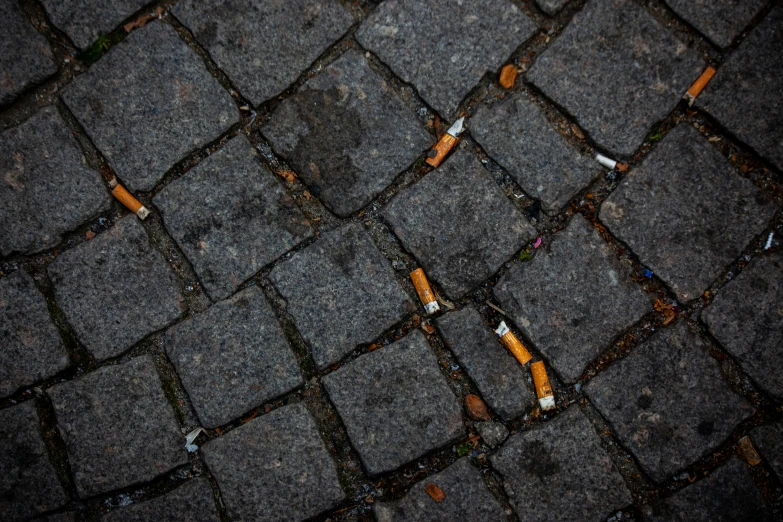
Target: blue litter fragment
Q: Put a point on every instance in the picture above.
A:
(648, 273)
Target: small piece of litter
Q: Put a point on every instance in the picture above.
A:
(133, 204)
(445, 143)
(537, 243)
(609, 163)
(434, 492)
(699, 85)
(495, 308)
(512, 342)
(477, 410)
(192, 437)
(425, 292)
(244, 108)
(546, 397)
(508, 75)
(768, 245)
(89, 235)
(648, 273)
(445, 302)
(748, 451)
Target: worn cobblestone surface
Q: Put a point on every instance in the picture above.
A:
(85, 20)
(719, 20)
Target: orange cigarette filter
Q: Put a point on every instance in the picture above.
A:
(445, 143)
(127, 199)
(699, 85)
(514, 345)
(546, 397)
(425, 292)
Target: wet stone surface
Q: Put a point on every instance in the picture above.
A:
(264, 46)
(458, 223)
(573, 298)
(395, 404)
(618, 71)
(720, 20)
(47, 188)
(231, 217)
(117, 426)
(166, 105)
(560, 468)
(116, 289)
(769, 442)
(347, 134)
(85, 20)
(686, 212)
(191, 501)
(341, 293)
(274, 467)
(668, 401)
(426, 43)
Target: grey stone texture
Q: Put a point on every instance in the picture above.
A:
(573, 298)
(275, 467)
(668, 401)
(502, 381)
(116, 289)
(726, 495)
(85, 20)
(458, 223)
(686, 212)
(395, 403)
(30, 345)
(618, 71)
(117, 426)
(720, 20)
(69, 516)
(558, 470)
(747, 319)
(517, 135)
(232, 358)
(744, 97)
(444, 48)
(264, 46)
(149, 102)
(768, 440)
(192, 501)
(47, 188)
(28, 482)
(347, 134)
(551, 7)
(341, 293)
(231, 217)
(467, 498)
(493, 433)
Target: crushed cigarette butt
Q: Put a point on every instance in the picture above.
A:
(434, 492)
(508, 75)
(130, 202)
(699, 85)
(609, 163)
(425, 292)
(546, 398)
(477, 410)
(192, 437)
(514, 345)
(446, 143)
(748, 451)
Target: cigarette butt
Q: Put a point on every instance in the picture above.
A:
(514, 345)
(129, 201)
(445, 143)
(546, 398)
(425, 292)
(112, 182)
(699, 85)
(508, 75)
(609, 163)
(748, 451)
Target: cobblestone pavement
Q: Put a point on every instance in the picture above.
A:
(255, 349)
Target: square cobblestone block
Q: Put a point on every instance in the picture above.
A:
(618, 71)
(562, 466)
(551, 7)
(347, 134)
(517, 135)
(720, 20)
(275, 467)
(48, 187)
(31, 346)
(231, 217)
(444, 48)
(341, 292)
(85, 20)
(232, 358)
(573, 298)
(467, 498)
(769, 441)
(747, 319)
(192, 501)
(458, 223)
(264, 46)
(503, 382)
(149, 102)
(117, 426)
(668, 401)
(395, 404)
(744, 96)
(686, 212)
(116, 289)
(28, 482)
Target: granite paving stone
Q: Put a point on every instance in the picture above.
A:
(117, 426)
(28, 482)
(768, 440)
(618, 71)
(149, 102)
(517, 135)
(395, 403)
(444, 48)
(493, 433)
(48, 188)
(720, 20)
(558, 469)
(503, 383)
(458, 223)
(231, 216)
(573, 298)
(30, 345)
(116, 289)
(744, 96)
(686, 212)
(668, 401)
(275, 467)
(347, 134)
(85, 20)
(264, 46)
(232, 358)
(191, 501)
(467, 498)
(746, 317)
(341, 293)
(551, 7)
(69, 516)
